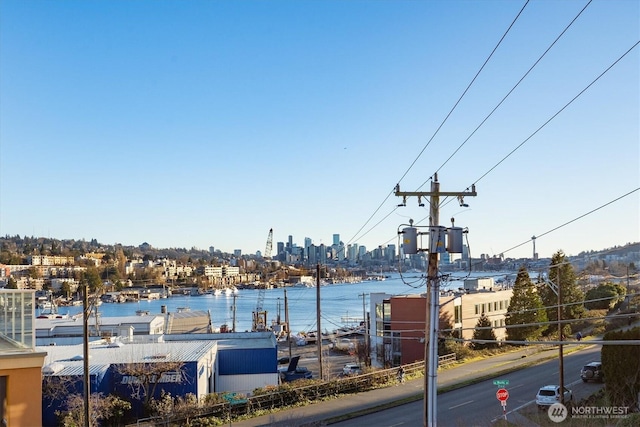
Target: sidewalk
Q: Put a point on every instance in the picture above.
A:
(323, 413)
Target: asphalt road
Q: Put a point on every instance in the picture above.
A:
(477, 405)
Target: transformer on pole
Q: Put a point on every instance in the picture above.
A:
(436, 246)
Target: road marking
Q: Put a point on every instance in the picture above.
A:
(462, 404)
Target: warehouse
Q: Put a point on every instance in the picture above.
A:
(195, 364)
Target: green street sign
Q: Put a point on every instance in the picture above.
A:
(500, 382)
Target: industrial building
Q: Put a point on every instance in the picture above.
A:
(183, 364)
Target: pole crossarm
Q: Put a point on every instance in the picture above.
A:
(399, 193)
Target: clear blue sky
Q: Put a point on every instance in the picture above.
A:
(206, 123)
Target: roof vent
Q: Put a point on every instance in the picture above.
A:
(52, 368)
(78, 357)
(159, 356)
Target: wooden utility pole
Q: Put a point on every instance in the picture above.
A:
(318, 331)
(560, 349)
(433, 293)
(86, 311)
(366, 330)
(233, 308)
(286, 320)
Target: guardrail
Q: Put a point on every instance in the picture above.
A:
(446, 359)
(285, 396)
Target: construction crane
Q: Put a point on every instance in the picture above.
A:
(260, 316)
(267, 251)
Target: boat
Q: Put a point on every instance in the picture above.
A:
(52, 313)
(217, 292)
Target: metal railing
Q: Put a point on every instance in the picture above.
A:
(281, 396)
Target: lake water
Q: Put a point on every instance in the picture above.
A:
(340, 304)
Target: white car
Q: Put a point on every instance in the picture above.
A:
(550, 394)
(351, 369)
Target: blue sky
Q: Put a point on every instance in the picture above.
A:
(206, 123)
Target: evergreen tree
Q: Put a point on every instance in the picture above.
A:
(605, 296)
(525, 307)
(562, 275)
(484, 334)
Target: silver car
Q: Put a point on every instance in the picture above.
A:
(550, 394)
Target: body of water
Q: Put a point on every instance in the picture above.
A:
(340, 304)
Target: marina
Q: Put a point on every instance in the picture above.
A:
(341, 304)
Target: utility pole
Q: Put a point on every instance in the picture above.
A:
(233, 309)
(557, 289)
(560, 349)
(85, 347)
(286, 320)
(366, 329)
(319, 331)
(433, 292)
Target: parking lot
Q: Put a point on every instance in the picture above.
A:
(333, 360)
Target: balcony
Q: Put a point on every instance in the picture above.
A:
(17, 330)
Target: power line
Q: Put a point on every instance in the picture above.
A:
(515, 86)
(573, 220)
(546, 123)
(444, 120)
(559, 111)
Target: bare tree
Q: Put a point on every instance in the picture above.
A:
(109, 410)
(143, 378)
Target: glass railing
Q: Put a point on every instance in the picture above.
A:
(17, 328)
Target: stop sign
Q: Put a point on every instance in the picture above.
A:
(502, 394)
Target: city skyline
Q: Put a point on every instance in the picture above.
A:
(198, 124)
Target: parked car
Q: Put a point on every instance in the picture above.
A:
(550, 394)
(344, 344)
(351, 369)
(294, 372)
(592, 372)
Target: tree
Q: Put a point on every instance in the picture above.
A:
(12, 283)
(484, 331)
(525, 308)
(445, 327)
(608, 294)
(144, 378)
(121, 262)
(93, 280)
(110, 409)
(34, 273)
(66, 289)
(621, 367)
(561, 274)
